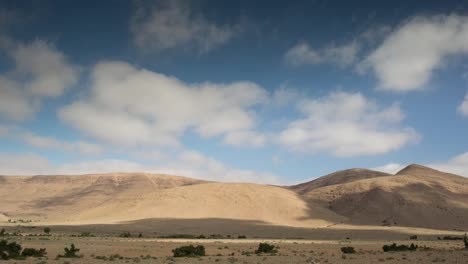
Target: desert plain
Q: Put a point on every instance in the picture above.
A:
(141, 218)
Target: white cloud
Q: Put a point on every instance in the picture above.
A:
(186, 163)
(391, 168)
(53, 143)
(302, 54)
(171, 24)
(22, 164)
(410, 54)
(40, 71)
(347, 124)
(129, 106)
(457, 165)
(463, 108)
(245, 138)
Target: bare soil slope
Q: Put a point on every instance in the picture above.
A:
(113, 198)
(417, 196)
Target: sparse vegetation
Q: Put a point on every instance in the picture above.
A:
(32, 252)
(348, 250)
(12, 250)
(86, 234)
(266, 248)
(70, 252)
(465, 241)
(47, 230)
(450, 238)
(241, 237)
(2, 232)
(9, 250)
(126, 234)
(189, 251)
(414, 237)
(395, 247)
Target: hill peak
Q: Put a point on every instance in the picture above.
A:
(338, 177)
(416, 169)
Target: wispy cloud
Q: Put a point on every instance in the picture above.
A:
(173, 24)
(303, 54)
(463, 108)
(186, 163)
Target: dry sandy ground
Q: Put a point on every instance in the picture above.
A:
(146, 250)
(417, 196)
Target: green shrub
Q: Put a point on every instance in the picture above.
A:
(241, 237)
(348, 250)
(126, 234)
(70, 252)
(86, 234)
(415, 237)
(266, 248)
(2, 232)
(32, 252)
(189, 251)
(465, 241)
(395, 247)
(47, 230)
(10, 250)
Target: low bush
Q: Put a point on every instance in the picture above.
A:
(47, 230)
(126, 234)
(9, 250)
(395, 247)
(32, 252)
(266, 248)
(241, 237)
(450, 238)
(348, 250)
(12, 250)
(70, 252)
(465, 241)
(2, 232)
(415, 237)
(86, 234)
(189, 251)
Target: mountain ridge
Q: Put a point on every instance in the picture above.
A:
(417, 196)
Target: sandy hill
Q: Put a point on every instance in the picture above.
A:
(339, 177)
(117, 197)
(417, 196)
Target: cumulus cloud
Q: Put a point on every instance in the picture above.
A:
(143, 107)
(410, 54)
(53, 143)
(172, 24)
(463, 108)
(40, 71)
(347, 124)
(457, 165)
(302, 54)
(186, 163)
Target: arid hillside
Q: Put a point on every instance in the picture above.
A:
(417, 196)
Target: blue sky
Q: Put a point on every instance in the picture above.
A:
(232, 91)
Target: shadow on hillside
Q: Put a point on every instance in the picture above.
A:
(414, 205)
